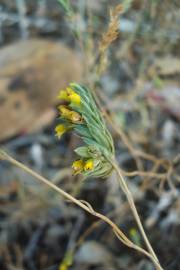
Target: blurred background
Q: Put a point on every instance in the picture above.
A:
(128, 53)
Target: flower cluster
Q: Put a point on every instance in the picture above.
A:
(80, 114)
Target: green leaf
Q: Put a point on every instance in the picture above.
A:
(82, 151)
(90, 141)
(83, 131)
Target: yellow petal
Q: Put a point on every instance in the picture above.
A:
(60, 130)
(70, 91)
(73, 96)
(75, 99)
(70, 115)
(89, 165)
(70, 95)
(63, 95)
(78, 166)
(75, 117)
(65, 112)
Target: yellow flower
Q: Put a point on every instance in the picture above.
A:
(75, 117)
(78, 166)
(63, 95)
(60, 130)
(64, 111)
(89, 165)
(70, 115)
(75, 99)
(70, 91)
(70, 95)
(73, 96)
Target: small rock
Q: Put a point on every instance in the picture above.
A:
(36, 152)
(31, 74)
(168, 132)
(93, 253)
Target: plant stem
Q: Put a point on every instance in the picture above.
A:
(130, 199)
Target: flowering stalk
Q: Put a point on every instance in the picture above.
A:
(97, 155)
(81, 114)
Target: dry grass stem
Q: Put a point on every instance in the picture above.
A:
(88, 208)
(130, 199)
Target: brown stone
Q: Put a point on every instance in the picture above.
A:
(31, 74)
